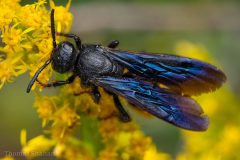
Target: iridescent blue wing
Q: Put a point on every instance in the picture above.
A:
(186, 75)
(179, 110)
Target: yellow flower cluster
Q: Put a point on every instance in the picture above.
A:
(103, 136)
(11, 65)
(26, 37)
(74, 126)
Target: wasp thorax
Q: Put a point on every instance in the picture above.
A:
(64, 57)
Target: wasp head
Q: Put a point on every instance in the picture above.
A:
(63, 57)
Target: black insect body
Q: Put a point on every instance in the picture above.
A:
(99, 66)
(94, 62)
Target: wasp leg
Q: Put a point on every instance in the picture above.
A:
(96, 94)
(57, 83)
(75, 37)
(113, 44)
(123, 115)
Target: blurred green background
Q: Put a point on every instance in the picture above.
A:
(152, 25)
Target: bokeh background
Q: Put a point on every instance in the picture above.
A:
(152, 25)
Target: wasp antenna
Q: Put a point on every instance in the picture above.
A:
(50, 59)
(53, 29)
(37, 73)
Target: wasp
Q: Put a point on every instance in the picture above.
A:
(160, 84)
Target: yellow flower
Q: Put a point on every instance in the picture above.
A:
(44, 47)
(37, 146)
(7, 13)
(65, 118)
(45, 107)
(13, 37)
(139, 144)
(10, 68)
(12, 4)
(34, 15)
